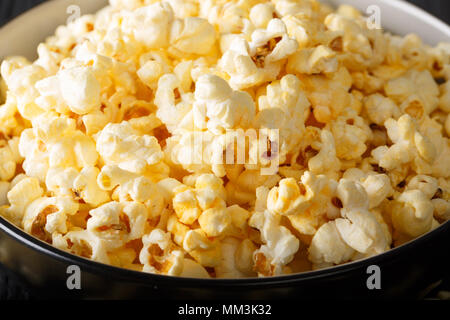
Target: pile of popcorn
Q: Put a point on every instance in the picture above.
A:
(94, 135)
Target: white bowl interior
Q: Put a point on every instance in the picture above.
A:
(23, 34)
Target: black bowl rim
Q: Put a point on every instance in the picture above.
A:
(155, 279)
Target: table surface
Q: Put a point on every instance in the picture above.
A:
(9, 9)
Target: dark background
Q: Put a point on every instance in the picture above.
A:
(9, 9)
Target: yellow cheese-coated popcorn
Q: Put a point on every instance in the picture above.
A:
(143, 135)
(444, 100)
(250, 64)
(408, 142)
(414, 213)
(328, 247)
(228, 267)
(122, 145)
(55, 142)
(206, 251)
(118, 222)
(286, 106)
(80, 89)
(82, 243)
(363, 47)
(19, 197)
(174, 104)
(279, 244)
(21, 80)
(159, 255)
(359, 228)
(192, 35)
(379, 108)
(85, 185)
(261, 14)
(151, 24)
(45, 216)
(326, 160)
(4, 188)
(214, 221)
(9, 157)
(350, 134)
(428, 185)
(415, 92)
(223, 107)
(60, 181)
(316, 60)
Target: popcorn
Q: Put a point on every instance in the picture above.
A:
(441, 209)
(227, 17)
(428, 185)
(242, 189)
(19, 197)
(316, 60)
(55, 142)
(60, 180)
(192, 35)
(4, 188)
(228, 267)
(350, 134)
(358, 227)
(379, 108)
(363, 47)
(378, 187)
(223, 107)
(21, 78)
(82, 243)
(206, 251)
(413, 215)
(279, 244)
(159, 255)
(80, 89)
(186, 206)
(325, 161)
(150, 25)
(45, 216)
(209, 194)
(122, 145)
(86, 187)
(305, 203)
(284, 106)
(174, 105)
(142, 136)
(330, 92)
(250, 64)
(118, 222)
(408, 142)
(444, 100)
(214, 221)
(261, 14)
(415, 92)
(327, 246)
(9, 158)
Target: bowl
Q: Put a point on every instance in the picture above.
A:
(407, 271)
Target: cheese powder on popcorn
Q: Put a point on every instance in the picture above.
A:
(142, 135)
